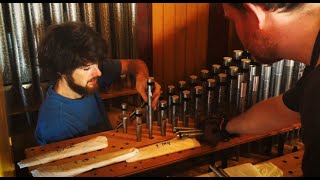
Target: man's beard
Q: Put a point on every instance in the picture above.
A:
(263, 49)
(80, 89)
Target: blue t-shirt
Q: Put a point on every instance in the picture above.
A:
(61, 118)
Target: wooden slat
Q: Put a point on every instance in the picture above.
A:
(290, 164)
(169, 44)
(181, 32)
(191, 41)
(203, 16)
(157, 38)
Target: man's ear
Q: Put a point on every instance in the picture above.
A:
(257, 12)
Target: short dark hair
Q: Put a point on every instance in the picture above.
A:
(271, 6)
(68, 46)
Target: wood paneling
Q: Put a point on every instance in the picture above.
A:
(180, 33)
(6, 159)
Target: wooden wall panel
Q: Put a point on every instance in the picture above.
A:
(157, 41)
(180, 33)
(169, 45)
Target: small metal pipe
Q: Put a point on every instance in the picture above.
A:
(197, 106)
(215, 70)
(182, 87)
(158, 113)
(278, 78)
(150, 84)
(210, 97)
(261, 84)
(185, 112)
(233, 79)
(252, 72)
(243, 91)
(164, 119)
(237, 55)
(266, 83)
(245, 63)
(138, 113)
(171, 92)
(227, 62)
(175, 107)
(255, 89)
(124, 116)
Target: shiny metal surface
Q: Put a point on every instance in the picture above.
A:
(56, 13)
(89, 14)
(5, 68)
(37, 26)
(105, 26)
(73, 11)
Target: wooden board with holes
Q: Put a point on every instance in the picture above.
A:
(290, 164)
(117, 140)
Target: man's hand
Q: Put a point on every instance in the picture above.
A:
(141, 86)
(139, 68)
(215, 131)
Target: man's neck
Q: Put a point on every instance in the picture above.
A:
(61, 87)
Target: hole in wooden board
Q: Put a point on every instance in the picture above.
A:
(284, 161)
(112, 134)
(135, 167)
(113, 146)
(32, 149)
(117, 131)
(126, 143)
(121, 148)
(42, 150)
(99, 150)
(290, 172)
(85, 153)
(296, 157)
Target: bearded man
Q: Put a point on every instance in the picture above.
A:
(76, 55)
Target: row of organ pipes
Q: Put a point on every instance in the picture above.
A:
(228, 88)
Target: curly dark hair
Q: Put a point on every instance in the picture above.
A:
(68, 46)
(285, 7)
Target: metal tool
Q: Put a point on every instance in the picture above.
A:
(188, 135)
(131, 115)
(182, 128)
(218, 171)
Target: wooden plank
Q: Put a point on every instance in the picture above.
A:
(157, 38)
(191, 41)
(144, 33)
(202, 36)
(169, 44)
(117, 140)
(181, 32)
